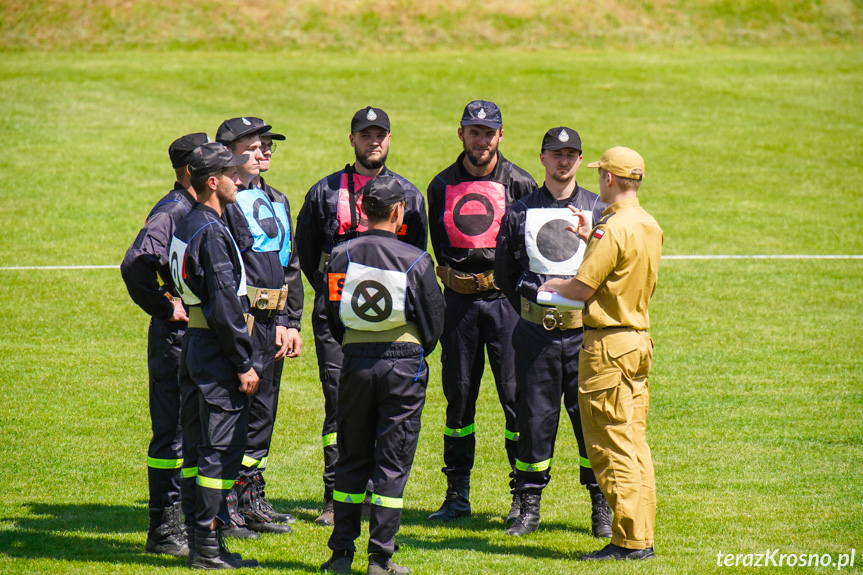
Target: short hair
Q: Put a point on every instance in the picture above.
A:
(199, 183)
(378, 212)
(233, 145)
(625, 184)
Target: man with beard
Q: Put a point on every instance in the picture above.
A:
(332, 213)
(148, 279)
(260, 222)
(532, 247)
(466, 203)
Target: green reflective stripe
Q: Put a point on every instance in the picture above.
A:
(249, 462)
(212, 483)
(164, 463)
(391, 502)
(464, 431)
(190, 472)
(329, 439)
(539, 466)
(349, 497)
(511, 435)
(585, 462)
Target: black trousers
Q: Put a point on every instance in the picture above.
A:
(165, 453)
(380, 404)
(329, 352)
(546, 369)
(470, 325)
(215, 428)
(262, 405)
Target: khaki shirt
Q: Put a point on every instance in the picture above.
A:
(621, 263)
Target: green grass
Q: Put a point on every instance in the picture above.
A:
(757, 388)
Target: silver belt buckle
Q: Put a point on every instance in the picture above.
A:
(263, 300)
(549, 319)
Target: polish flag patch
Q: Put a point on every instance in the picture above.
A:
(598, 234)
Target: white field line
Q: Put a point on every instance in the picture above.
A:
(679, 257)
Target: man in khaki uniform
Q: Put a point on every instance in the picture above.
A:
(616, 280)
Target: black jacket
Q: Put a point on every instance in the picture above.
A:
(380, 250)
(512, 266)
(326, 219)
(146, 260)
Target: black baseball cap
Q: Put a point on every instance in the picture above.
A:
(236, 128)
(180, 148)
(267, 133)
(560, 138)
(369, 116)
(214, 156)
(383, 190)
(482, 113)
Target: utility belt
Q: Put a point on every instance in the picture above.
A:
(590, 328)
(262, 299)
(550, 318)
(197, 319)
(409, 333)
(465, 283)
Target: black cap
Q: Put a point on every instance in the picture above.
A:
(369, 116)
(267, 132)
(214, 156)
(482, 113)
(383, 190)
(180, 148)
(236, 128)
(560, 138)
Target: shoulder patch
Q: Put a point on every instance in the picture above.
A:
(598, 233)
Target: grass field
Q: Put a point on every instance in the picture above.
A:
(757, 389)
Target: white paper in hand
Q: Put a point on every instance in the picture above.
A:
(557, 300)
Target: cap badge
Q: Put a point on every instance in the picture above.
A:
(246, 122)
(481, 114)
(563, 136)
(371, 116)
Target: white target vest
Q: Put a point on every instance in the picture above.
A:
(551, 249)
(177, 259)
(373, 299)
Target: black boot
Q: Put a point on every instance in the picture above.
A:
(457, 501)
(528, 518)
(327, 516)
(166, 535)
(339, 562)
(238, 528)
(267, 507)
(208, 551)
(233, 559)
(600, 516)
(380, 564)
(514, 509)
(251, 510)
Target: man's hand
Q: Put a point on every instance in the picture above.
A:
(288, 342)
(179, 311)
(583, 231)
(249, 382)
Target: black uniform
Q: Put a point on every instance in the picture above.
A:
(331, 214)
(260, 222)
(464, 218)
(385, 305)
(208, 272)
(533, 247)
(148, 279)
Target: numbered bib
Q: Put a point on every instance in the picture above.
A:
(177, 263)
(373, 299)
(551, 249)
(472, 213)
(268, 221)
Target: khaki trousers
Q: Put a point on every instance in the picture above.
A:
(613, 397)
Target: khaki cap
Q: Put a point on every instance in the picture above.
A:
(622, 162)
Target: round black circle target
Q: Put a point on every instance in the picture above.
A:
(270, 224)
(473, 224)
(175, 271)
(555, 243)
(377, 303)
